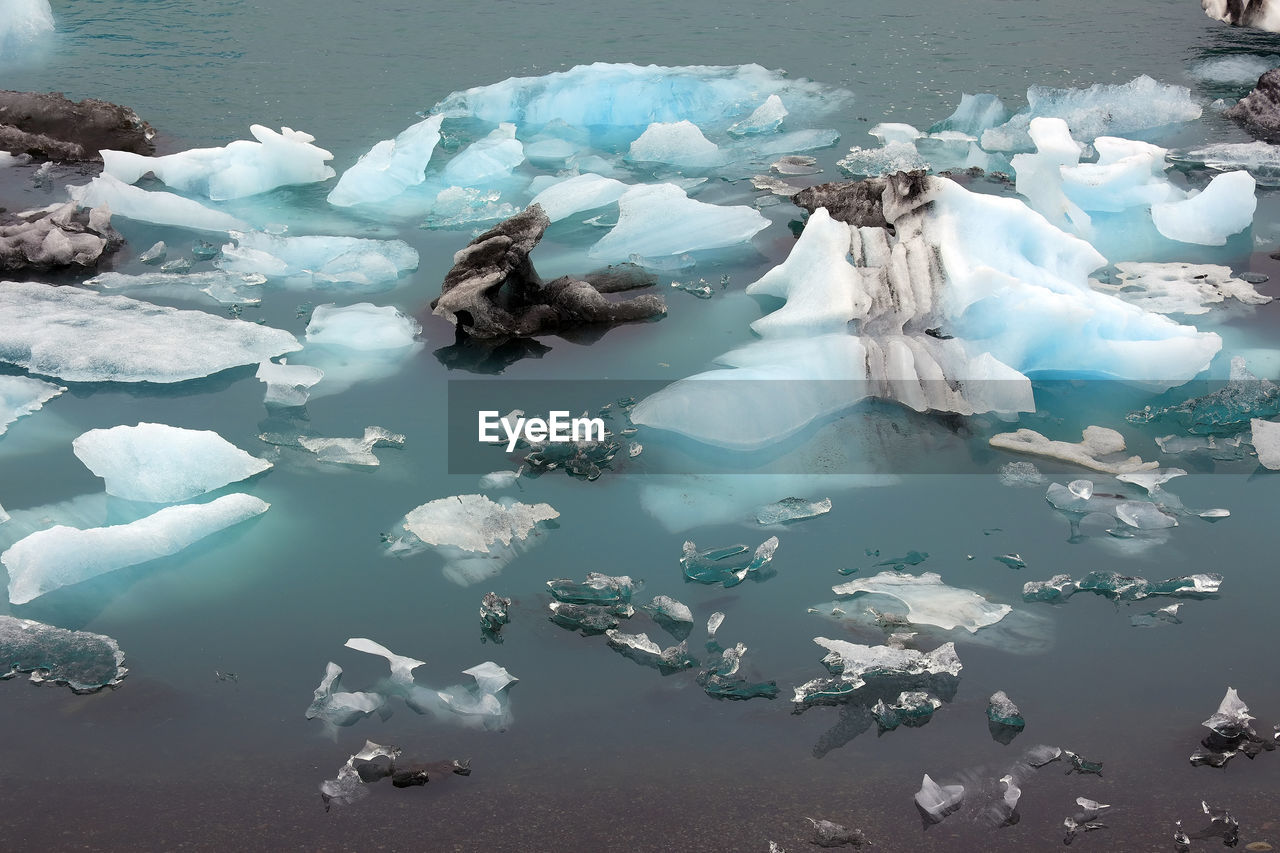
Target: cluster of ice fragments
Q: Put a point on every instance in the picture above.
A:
(483, 704)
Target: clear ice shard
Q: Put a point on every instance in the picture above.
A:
(1098, 442)
(401, 667)
(373, 762)
(390, 167)
(1164, 615)
(929, 601)
(1151, 481)
(1144, 516)
(154, 206)
(225, 288)
(163, 464)
(729, 566)
(1004, 719)
(80, 336)
(1104, 109)
(287, 384)
(338, 708)
(714, 621)
(660, 220)
(241, 168)
(722, 679)
(476, 536)
(82, 661)
(829, 834)
(936, 801)
(351, 263)
(673, 616)
(589, 619)
(1020, 474)
(1178, 287)
(642, 650)
(605, 96)
(61, 556)
(352, 451)
(792, 509)
(1260, 159)
(22, 395)
(1265, 438)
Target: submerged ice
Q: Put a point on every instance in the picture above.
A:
(83, 661)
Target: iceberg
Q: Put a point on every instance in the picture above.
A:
(370, 764)
(1237, 69)
(604, 96)
(241, 168)
(1004, 719)
(318, 260)
(596, 590)
(1223, 208)
(61, 556)
(678, 143)
(588, 619)
(929, 601)
(912, 708)
(22, 395)
(23, 22)
(494, 613)
(728, 566)
(855, 666)
(673, 616)
(160, 208)
(1260, 159)
(1104, 109)
(163, 464)
(352, 451)
(721, 679)
(389, 167)
(81, 336)
(642, 650)
(578, 193)
(1228, 411)
(974, 114)
(660, 220)
(1123, 587)
(82, 661)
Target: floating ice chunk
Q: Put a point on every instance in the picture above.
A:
(858, 665)
(163, 464)
(1020, 474)
(729, 566)
(22, 23)
(1128, 174)
(1040, 175)
(642, 650)
(401, 667)
(240, 169)
(1002, 711)
(828, 834)
(485, 160)
(1179, 288)
(155, 255)
(1163, 615)
(912, 708)
(1104, 109)
(160, 208)
(82, 336)
(1144, 516)
(362, 326)
(975, 114)
(792, 509)
(287, 384)
(678, 143)
(389, 167)
(937, 801)
(1232, 716)
(714, 622)
(1082, 489)
(1265, 438)
(766, 118)
(82, 661)
(578, 193)
(892, 156)
(352, 451)
(61, 556)
(597, 589)
(607, 95)
(1123, 587)
(589, 619)
(929, 601)
(674, 617)
(659, 220)
(1235, 69)
(1226, 411)
(370, 764)
(1223, 208)
(474, 523)
(1260, 159)
(223, 287)
(319, 260)
(1098, 442)
(337, 708)
(4, 516)
(494, 613)
(22, 395)
(823, 290)
(1057, 588)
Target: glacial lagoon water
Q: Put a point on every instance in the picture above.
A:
(603, 754)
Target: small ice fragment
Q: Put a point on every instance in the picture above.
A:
(362, 327)
(178, 266)
(390, 167)
(1265, 438)
(644, 651)
(936, 802)
(401, 667)
(1213, 515)
(714, 622)
(1232, 717)
(82, 661)
(1164, 615)
(352, 451)
(1083, 489)
(1039, 756)
(727, 566)
(1151, 480)
(660, 221)
(22, 395)
(765, 119)
(828, 834)
(673, 616)
(370, 764)
(589, 619)
(155, 255)
(337, 708)
(1013, 561)
(1073, 828)
(1222, 208)
(163, 464)
(1003, 717)
(1082, 765)
(721, 679)
(494, 613)
(1227, 411)
(1020, 474)
(203, 250)
(912, 708)
(1057, 588)
(792, 509)
(1144, 516)
(287, 384)
(796, 164)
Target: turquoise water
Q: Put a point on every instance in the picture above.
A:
(603, 754)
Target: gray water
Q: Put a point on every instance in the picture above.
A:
(603, 754)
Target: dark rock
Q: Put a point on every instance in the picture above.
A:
(50, 126)
(60, 237)
(1259, 111)
(493, 291)
(874, 202)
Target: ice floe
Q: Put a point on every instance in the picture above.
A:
(929, 601)
(389, 167)
(22, 395)
(83, 661)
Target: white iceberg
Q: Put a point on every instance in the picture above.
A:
(352, 451)
(486, 160)
(1223, 208)
(163, 464)
(22, 395)
(241, 168)
(389, 167)
(61, 556)
(160, 208)
(678, 143)
(578, 193)
(659, 220)
(81, 336)
(766, 118)
(1265, 438)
